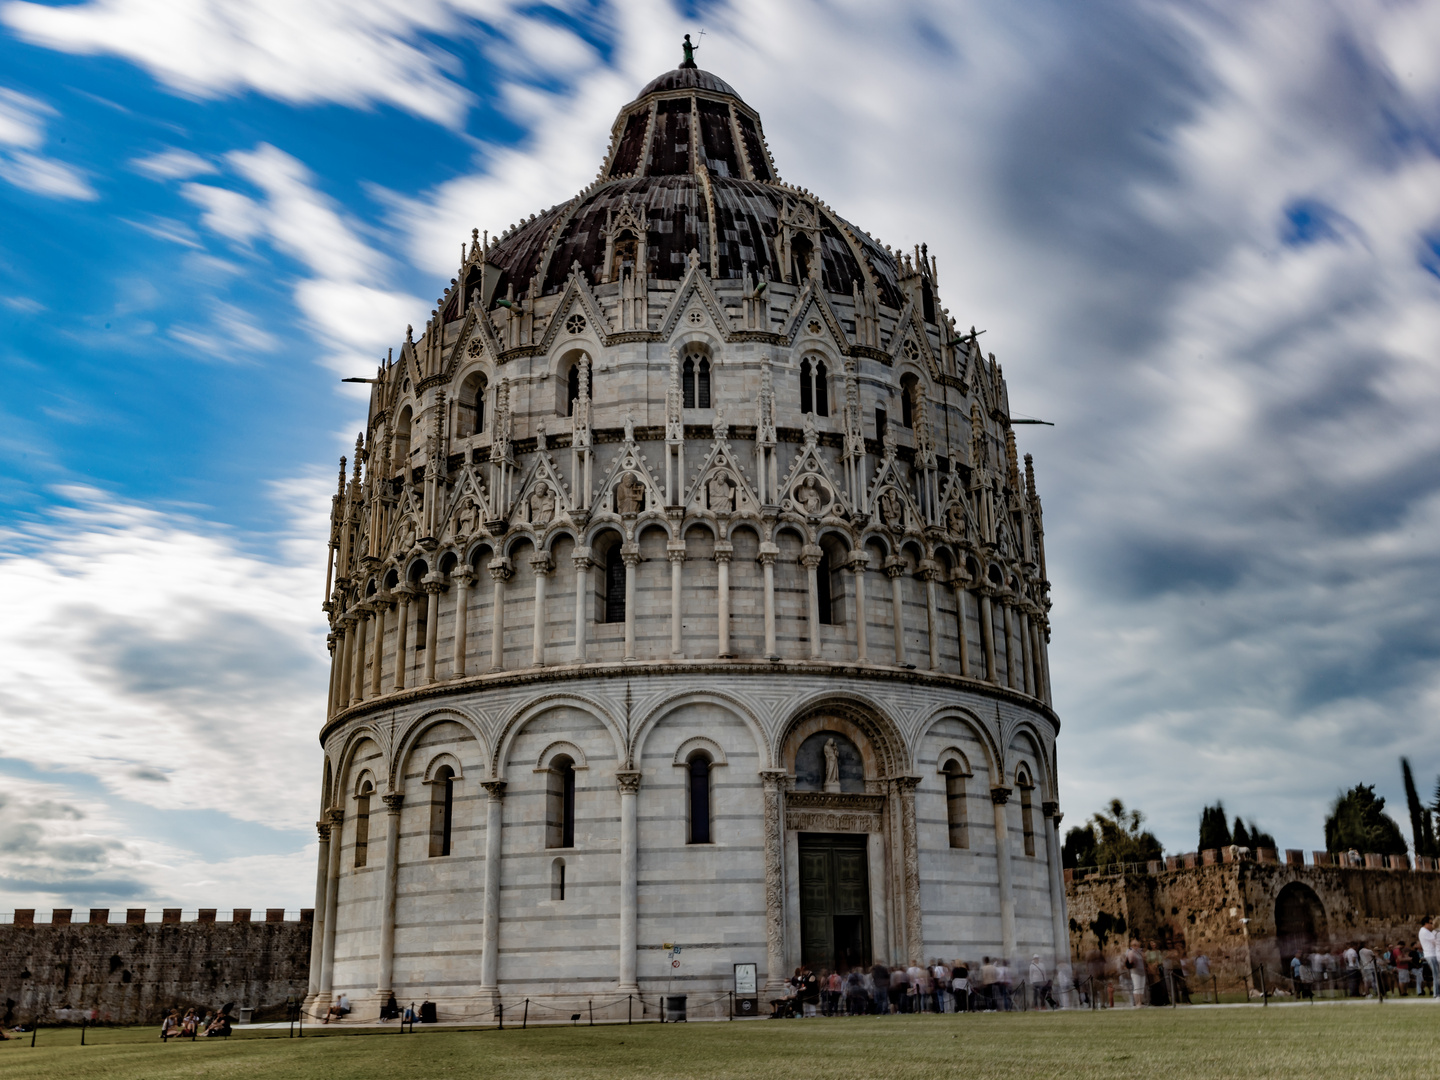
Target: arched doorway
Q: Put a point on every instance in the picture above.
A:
(1300, 923)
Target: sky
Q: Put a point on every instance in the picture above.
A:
(1202, 238)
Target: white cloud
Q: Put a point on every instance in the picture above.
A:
(22, 130)
(174, 164)
(381, 52)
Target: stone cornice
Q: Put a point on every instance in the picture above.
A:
(617, 669)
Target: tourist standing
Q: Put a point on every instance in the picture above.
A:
(1134, 967)
(880, 975)
(1428, 943)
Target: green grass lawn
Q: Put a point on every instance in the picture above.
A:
(1351, 1040)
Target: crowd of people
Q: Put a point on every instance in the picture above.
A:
(941, 987)
(193, 1023)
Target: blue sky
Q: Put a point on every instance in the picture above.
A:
(1201, 237)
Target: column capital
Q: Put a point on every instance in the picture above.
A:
(433, 584)
(403, 592)
(628, 781)
(322, 829)
(336, 815)
(582, 560)
(858, 561)
(767, 558)
(774, 779)
(393, 800)
(542, 564)
(999, 795)
(630, 555)
(810, 556)
(463, 575)
(675, 552)
(1050, 809)
(905, 783)
(500, 569)
(928, 570)
(895, 566)
(494, 788)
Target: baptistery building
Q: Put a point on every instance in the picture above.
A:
(686, 589)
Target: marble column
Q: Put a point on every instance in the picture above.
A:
(629, 782)
(582, 602)
(987, 636)
(362, 622)
(386, 982)
(490, 945)
(433, 589)
(1007, 619)
(767, 566)
(1026, 656)
(675, 552)
(932, 620)
(500, 571)
(961, 618)
(723, 553)
(1058, 915)
(775, 973)
(999, 796)
(332, 901)
(543, 565)
(333, 644)
(859, 563)
(894, 569)
(346, 654)
(810, 557)
(462, 577)
(909, 834)
(402, 634)
(631, 558)
(317, 928)
(382, 608)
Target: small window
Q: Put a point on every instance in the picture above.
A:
(362, 824)
(698, 769)
(401, 453)
(955, 805)
(560, 803)
(557, 880)
(442, 806)
(687, 381)
(909, 393)
(572, 391)
(814, 395)
(1027, 818)
(420, 604)
(702, 384)
(470, 408)
(822, 590)
(822, 391)
(614, 585)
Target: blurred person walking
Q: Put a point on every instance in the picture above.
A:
(1133, 967)
(1429, 954)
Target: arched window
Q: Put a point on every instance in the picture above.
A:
(560, 803)
(823, 574)
(814, 392)
(572, 391)
(909, 389)
(698, 773)
(801, 253)
(400, 455)
(955, 813)
(614, 585)
(881, 421)
(442, 805)
(695, 381)
(557, 880)
(702, 383)
(470, 407)
(1027, 815)
(362, 823)
(420, 604)
(687, 381)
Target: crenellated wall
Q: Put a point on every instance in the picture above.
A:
(134, 972)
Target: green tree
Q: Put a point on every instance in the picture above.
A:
(1422, 825)
(1119, 838)
(1079, 848)
(1357, 820)
(1214, 828)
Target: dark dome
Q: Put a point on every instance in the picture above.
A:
(687, 79)
(693, 167)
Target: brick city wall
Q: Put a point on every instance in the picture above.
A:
(1188, 908)
(132, 972)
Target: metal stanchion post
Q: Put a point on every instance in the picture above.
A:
(525, 1020)
(500, 1011)
(1264, 989)
(591, 1003)
(629, 1003)
(732, 1005)
(33, 1032)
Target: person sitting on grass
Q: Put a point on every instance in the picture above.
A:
(220, 1026)
(170, 1026)
(188, 1023)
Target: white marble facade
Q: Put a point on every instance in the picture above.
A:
(682, 474)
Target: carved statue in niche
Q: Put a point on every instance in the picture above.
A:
(542, 504)
(832, 766)
(811, 496)
(892, 510)
(629, 494)
(955, 519)
(408, 535)
(466, 518)
(721, 492)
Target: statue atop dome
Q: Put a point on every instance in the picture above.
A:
(689, 61)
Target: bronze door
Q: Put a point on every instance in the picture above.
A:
(834, 901)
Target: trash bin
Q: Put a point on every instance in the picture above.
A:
(675, 1009)
(245, 1015)
(427, 1012)
(747, 1006)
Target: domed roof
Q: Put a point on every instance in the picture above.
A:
(688, 160)
(684, 78)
